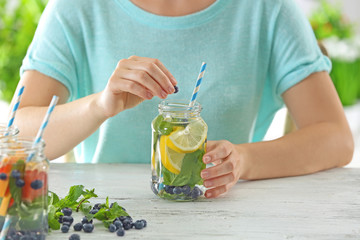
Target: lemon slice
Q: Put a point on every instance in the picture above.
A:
(190, 138)
(171, 159)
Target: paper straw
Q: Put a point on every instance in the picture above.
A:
(44, 124)
(197, 86)
(16, 106)
(5, 227)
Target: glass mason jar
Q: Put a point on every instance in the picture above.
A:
(23, 189)
(5, 131)
(179, 136)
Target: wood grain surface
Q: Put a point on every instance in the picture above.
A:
(325, 205)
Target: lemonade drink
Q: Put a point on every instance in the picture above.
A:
(178, 145)
(8, 132)
(23, 189)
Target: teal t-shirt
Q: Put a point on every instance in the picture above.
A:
(254, 50)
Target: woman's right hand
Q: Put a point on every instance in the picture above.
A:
(134, 80)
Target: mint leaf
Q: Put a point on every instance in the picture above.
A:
(74, 193)
(190, 171)
(52, 220)
(53, 198)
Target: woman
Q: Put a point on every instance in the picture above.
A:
(111, 61)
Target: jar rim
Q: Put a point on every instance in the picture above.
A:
(179, 105)
(24, 144)
(13, 130)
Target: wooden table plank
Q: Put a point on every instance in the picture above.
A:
(324, 205)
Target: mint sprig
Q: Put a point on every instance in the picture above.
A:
(78, 199)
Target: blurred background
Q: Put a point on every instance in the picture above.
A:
(336, 24)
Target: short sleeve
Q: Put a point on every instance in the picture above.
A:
(51, 52)
(295, 53)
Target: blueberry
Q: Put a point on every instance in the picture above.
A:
(88, 227)
(78, 227)
(66, 223)
(120, 232)
(93, 211)
(195, 193)
(169, 189)
(139, 224)
(177, 190)
(85, 220)
(3, 176)
(19, 183)
(15, 174)
(127, 225)
(65, 228)
(144, 221)
(60, 220)
(74, 237)
(118, 224)
(186, 189)
(122, 218)
(37, 184)
(112, 228)
(176, 89)
(68, 219)
(66, 211)
(97, 206)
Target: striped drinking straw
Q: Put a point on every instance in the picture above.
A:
(15, 108)
(5, 228)
(40, 133)
(197, 86)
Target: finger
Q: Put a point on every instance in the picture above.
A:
(215, 192)
(219, 181)
(226, 167)
(219, 151)
(144, 79)
(130, 86)
(158, 71)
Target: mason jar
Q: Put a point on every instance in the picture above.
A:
(23, 189)
(179, 136)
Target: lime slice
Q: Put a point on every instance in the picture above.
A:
(190, 138)
(171, 159)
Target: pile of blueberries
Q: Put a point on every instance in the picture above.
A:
(186, 190)
(119, 225)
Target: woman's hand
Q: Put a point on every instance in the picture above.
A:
(227, 170)
(134, 80)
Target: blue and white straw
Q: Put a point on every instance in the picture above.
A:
(5, 228)
(197, 86)
(44, 124)
(15, 108)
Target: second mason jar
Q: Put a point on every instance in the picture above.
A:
(179, 136)
(23, 189)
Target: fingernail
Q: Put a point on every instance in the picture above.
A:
(174, 81)
(163, 94)
(149, 95)
(208, 183)
(207, 159)
(171, 90)
(204, 174)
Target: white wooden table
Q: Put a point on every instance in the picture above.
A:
(324, 205)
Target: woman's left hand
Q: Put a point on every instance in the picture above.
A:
(226, 170)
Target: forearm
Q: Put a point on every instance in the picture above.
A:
(70, 123)
(310, 149)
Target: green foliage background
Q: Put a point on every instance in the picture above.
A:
(17, 28)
